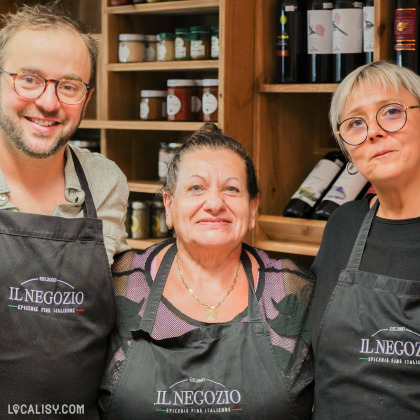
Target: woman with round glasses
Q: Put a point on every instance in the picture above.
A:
(366, 320)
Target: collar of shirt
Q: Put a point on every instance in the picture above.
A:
(74, 193)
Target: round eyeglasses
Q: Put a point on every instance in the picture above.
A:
(32, 86)
(391, 118)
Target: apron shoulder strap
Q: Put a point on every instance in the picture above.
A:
(88, 206)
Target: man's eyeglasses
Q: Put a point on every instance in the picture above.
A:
(32, 86)
(391, 118)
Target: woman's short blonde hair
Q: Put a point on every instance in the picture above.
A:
(385, 73)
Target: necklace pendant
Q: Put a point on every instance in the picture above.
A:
(212, 314)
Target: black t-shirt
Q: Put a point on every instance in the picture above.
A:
(392, 249)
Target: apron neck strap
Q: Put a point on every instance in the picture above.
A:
(359, 246)
(88, 206)
(156, 290)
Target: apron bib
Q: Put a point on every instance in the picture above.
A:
(368, 359)
(215, 371)
(57, 310)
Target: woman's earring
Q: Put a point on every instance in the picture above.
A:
(351, 168)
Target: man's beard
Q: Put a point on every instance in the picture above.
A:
(15, 134)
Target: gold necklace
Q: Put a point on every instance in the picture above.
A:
(212, 315)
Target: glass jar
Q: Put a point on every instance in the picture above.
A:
(150, 47)
(128, 220)
(140, 220)
(131, 48)
(209, 103)
(178, 101)
(166, 153)
(166, 47)
(159, 227)
(182, 44)
(153, 104)
(214, 45)
(200, 43)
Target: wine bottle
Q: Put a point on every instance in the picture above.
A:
(290, 41)
(368, 30)
(347, 37)
(346, 188)
(320, 55)
(406, 33)
(310, 191)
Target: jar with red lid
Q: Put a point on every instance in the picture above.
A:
(209, 103)
(178, 101)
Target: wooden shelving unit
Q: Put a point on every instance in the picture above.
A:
(292, 133)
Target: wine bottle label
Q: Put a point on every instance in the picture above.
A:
(368, 28)
(346, 188)
(319, 31)
(347, 31)
(317, 181)
(405, 29)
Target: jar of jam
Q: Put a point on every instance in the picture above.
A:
(209, 102)
(214, 45)
(182, 44)
(131, 48)
(150, 47)
(200, 43)
(140, 220)
(166, 47)
(153, 104)
(178, 101)
(159, 227)
(166, 153)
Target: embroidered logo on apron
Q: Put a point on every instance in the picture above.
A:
(397, 345)
(210, 397)
(46, 295)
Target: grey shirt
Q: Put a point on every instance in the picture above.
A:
(109, 189)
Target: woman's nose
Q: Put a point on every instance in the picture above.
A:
(214, 202)
(374, 130)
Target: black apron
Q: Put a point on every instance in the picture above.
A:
(58, 308)
(368, 358)
(215, 371)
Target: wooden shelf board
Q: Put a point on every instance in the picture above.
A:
(169, 7)
(142, 125)
(299, 88)
(287, 234)
(143, 243)
(149, 187)
(165, 65)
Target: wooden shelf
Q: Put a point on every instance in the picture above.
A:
(165, 66)
(299, 88)
(142, 125)
(149, 187)
(143, 243)
(169, 7)
(289, 235)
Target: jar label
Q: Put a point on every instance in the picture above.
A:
(317, 181)
(180, 49)
(214, 47)
(347, 31)
(150, 53)
(209, 103)
(162, 52)
(173, 104)
(368, 28)
(144, 110)
(320, 32)
(198, 49)
(195, 104)
(123, 52)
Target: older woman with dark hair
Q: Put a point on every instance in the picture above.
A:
(209, 327)
(366, 320)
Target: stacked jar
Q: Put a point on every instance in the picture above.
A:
(131, 48)
(209, 102)
(166, 153)
(153, 104)
(179, 99)
(166, 47)
(200, 42)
